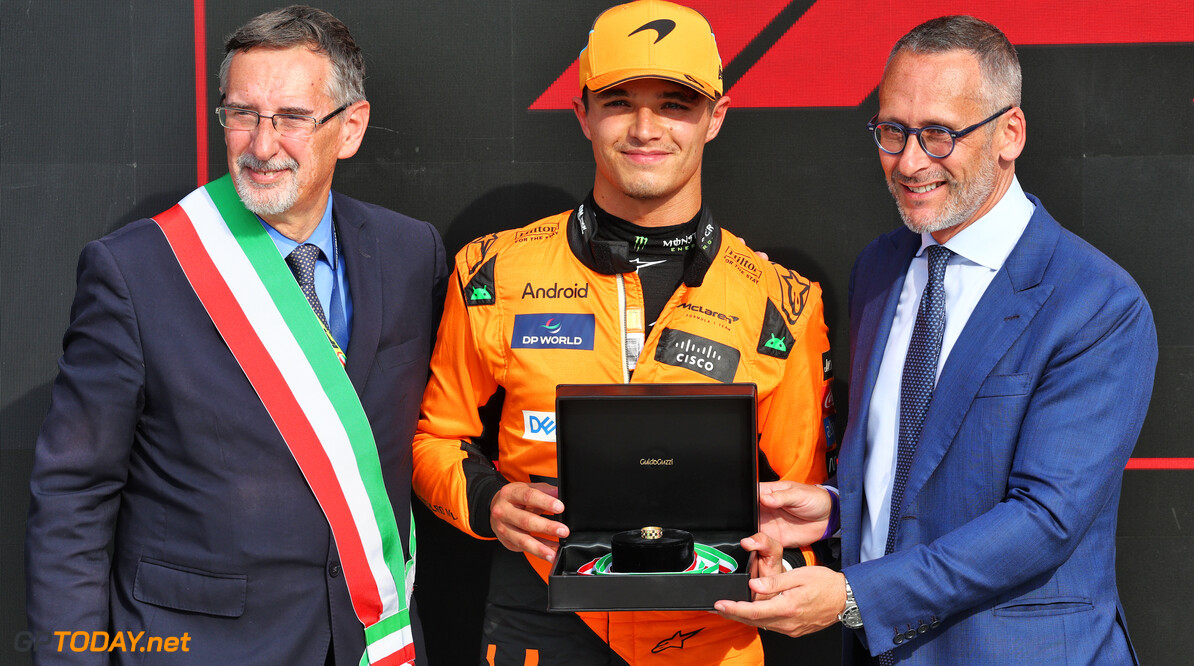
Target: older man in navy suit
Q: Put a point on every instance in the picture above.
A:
(1001, 370)
(237, 396)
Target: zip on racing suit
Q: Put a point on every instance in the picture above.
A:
(548, 304)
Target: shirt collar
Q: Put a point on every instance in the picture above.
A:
(991, 238)
(323, 237)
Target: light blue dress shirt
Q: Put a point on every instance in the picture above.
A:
(331, 283)
(979, 252)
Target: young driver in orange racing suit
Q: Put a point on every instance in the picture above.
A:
(638, 284)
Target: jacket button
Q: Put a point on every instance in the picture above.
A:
(334, 570)
(910, 634)
(935, 623)
(898, 639)
(922, 628)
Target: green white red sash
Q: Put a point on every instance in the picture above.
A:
(255, 303)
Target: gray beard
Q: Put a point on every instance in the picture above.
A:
(265, 200)
(965, 199)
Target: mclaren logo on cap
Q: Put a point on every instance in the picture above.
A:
(662, 28)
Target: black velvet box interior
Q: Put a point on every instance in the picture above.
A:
(679, 456)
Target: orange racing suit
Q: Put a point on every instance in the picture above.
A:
(548, 304)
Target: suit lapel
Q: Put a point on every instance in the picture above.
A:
(879, 288)
(1014, 297)
(364, 282)
(879, 311)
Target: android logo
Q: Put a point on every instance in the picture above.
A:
(480, 294)
(776, 343)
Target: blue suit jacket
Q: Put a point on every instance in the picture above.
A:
(156, 443)
(1005, 549)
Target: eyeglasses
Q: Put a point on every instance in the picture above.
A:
(935, 140)
(287, 124)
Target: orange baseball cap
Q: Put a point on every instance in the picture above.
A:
(651, 39)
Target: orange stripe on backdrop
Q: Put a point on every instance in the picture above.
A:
(833, 54)
(1160, 463)
(200, 18)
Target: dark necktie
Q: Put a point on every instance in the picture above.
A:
(916, 386)
(919, 378)
(302, 263)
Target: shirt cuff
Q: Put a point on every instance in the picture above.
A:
(833, 527)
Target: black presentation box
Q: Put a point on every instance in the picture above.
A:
(678, 456)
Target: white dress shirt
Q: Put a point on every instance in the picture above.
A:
(979, 252)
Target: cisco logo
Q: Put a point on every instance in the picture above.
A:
(707, 357)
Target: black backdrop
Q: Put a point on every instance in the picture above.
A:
(98, 128)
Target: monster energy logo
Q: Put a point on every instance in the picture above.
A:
(480, 294)
(776, 343)
(639, 243)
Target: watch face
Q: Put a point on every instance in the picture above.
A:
(852, 618)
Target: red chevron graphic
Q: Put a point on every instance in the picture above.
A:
(833, 55)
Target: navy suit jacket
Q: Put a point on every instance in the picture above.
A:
(1005, 548)
(157, 445)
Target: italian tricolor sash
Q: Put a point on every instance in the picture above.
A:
(252, 297)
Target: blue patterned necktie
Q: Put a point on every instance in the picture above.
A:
(919, 378)
(302, 263)
(916, 387)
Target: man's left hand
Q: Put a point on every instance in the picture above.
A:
(795, 602)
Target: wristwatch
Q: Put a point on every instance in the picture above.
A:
(850, 617)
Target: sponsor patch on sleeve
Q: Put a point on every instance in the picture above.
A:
(480, 290)
(775, 339)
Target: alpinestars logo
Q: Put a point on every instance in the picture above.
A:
(675, 641)
(553, 331)
(708, 357)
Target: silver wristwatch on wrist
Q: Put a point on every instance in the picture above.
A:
(850, 617)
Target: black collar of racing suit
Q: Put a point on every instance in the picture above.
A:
(610, 257)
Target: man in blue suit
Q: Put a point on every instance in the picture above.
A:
(1001, 370)
(213, 424)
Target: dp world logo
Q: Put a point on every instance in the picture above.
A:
(553, 331)
(539, 425)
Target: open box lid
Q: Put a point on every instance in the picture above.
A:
(674, 455)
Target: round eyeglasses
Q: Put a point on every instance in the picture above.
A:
(287, 124)
(935, 140)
